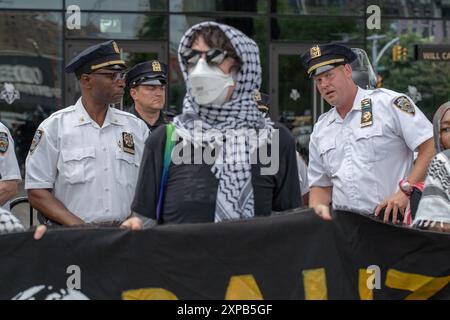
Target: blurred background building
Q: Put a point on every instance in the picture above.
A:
(35, 44)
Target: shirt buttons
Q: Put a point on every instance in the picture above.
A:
(104, 149)
(106, 189)
(106, 169)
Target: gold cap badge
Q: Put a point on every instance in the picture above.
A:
(156, 66)
(315, 52)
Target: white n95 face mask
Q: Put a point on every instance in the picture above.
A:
(209, 84)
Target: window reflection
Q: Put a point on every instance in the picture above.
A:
(257, 6)
(121, 26)
(114, 5)
(308, 29)
(30, 72)
(31, 4)
(426, 82)
(414, 8)
(318, 7)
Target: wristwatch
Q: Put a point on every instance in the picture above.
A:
(406, 186)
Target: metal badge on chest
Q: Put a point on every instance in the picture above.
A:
(366, 113)
(127, 143)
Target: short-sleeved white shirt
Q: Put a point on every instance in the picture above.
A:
(92, 170)
(365, 164)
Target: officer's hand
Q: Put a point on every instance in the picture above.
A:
(394, 205)
(39, 232)
(322, 211)
(133, 223)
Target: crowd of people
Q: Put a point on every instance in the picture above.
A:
(223, 158)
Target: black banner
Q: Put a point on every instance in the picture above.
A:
(286, 256)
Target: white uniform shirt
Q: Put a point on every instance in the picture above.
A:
(365, 164)
(9, 168)
(90, 169)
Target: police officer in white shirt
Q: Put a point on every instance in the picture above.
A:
(9, 168)
(363, 147)
(84, 160)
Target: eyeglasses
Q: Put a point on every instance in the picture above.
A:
(114, 76)
(213, 56)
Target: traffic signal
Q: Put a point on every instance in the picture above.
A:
(399, 53)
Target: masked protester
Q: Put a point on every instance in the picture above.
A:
(434, 207)
(220, 119)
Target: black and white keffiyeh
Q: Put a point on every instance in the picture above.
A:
(235, 198)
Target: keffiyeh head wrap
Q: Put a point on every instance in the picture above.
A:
(235, 192)
(434, 206)
(438, 116)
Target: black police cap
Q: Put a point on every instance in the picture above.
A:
(105, 55)
(321, 58)
(147, 73)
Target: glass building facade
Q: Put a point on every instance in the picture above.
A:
(37, 39)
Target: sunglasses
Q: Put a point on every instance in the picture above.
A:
(214, 56)
(114, 76)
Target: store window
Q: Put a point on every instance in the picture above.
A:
(310, 30)
(114, 5)
(426, 82)
(414, 8)
(121, 26)
(318, 7)
(256, 6)
(31, 4)
(30, 72)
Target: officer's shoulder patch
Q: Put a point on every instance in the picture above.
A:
(4, 142)
(404, 104)
(36, 139)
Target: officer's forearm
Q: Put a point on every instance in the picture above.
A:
(319, 195)
(426, 153)
(8, 190)
(45, 202)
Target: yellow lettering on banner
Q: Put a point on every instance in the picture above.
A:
(243, 287)
(148, 294)
(315, 283)
(365, 293)
(422, 287)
